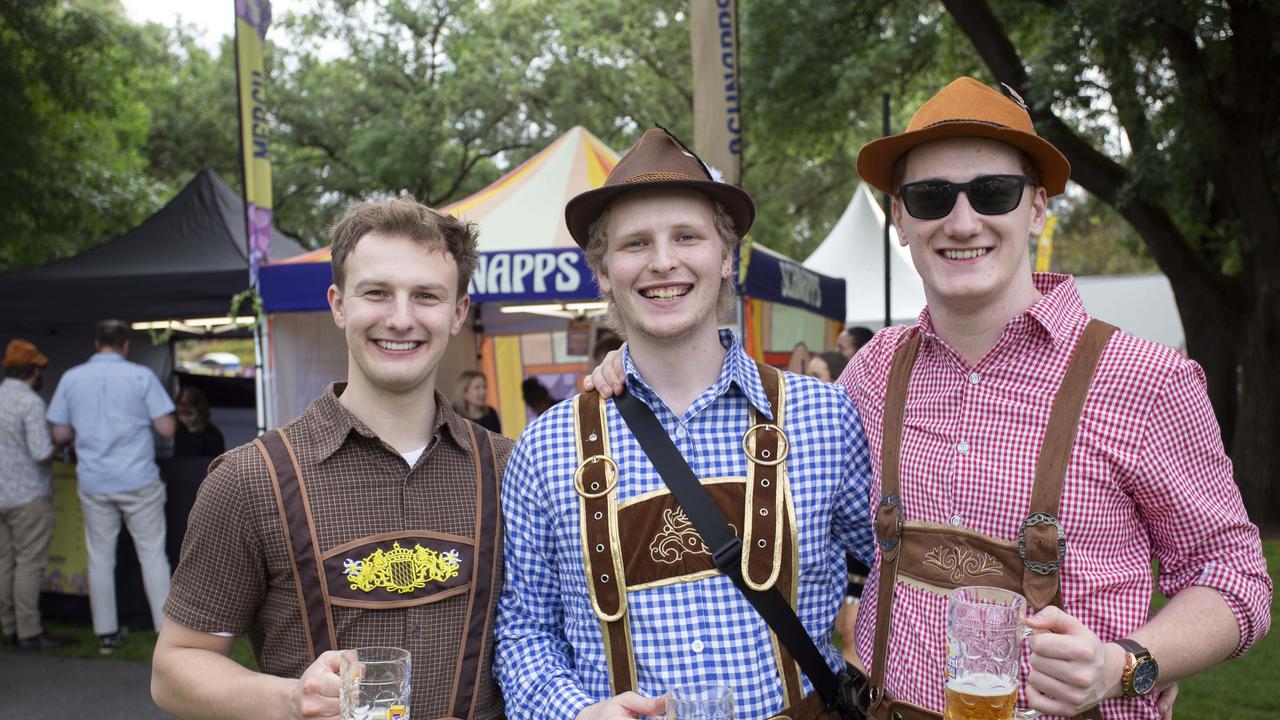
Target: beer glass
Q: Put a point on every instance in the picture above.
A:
(985, 628)
(700, 702)
(375, 683)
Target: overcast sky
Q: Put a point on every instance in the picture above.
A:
(213, 18)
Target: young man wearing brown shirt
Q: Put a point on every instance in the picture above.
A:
(286, 529)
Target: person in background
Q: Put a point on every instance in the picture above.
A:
(851, 339)
(26, 489)
(470, 395)
(109, 408)
(196, 435)
(536, 396)
(826, 366)
(603, 347)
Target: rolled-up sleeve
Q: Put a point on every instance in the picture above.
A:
(533, 663)
(1192, 508)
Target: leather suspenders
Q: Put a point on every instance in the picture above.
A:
(1041, 542)
(312, 583)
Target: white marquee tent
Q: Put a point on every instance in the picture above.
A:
(854, 250)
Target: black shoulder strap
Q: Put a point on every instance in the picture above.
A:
(727, 548)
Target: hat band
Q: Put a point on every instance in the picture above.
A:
(661, 177)
(975, 121)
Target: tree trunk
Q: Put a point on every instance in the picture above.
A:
(1256, 449)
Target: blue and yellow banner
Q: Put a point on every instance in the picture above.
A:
(252, 19)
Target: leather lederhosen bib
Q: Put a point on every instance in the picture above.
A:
(942, 557)
(398, 570)
(648, 540)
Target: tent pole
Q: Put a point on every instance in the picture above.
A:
(888, 316)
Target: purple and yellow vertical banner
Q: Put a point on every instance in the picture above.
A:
(252, 19)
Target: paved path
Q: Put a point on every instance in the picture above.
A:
(37, 687)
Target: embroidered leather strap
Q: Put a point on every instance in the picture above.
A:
(596, 480)
(484, 579)
(300, 539)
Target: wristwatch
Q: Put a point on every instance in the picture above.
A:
(1140, 669)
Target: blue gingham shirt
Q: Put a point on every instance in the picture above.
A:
(551, 660)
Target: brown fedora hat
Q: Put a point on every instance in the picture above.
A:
(965, 108)
(658, 160)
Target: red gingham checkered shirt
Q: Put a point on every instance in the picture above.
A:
(1148, 478)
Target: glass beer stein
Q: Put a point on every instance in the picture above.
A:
(375, 683)
(985, 629)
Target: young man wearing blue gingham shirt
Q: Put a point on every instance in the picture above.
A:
(661, 252)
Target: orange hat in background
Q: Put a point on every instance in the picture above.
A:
(20, 352)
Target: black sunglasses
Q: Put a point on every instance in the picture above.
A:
(988, 195)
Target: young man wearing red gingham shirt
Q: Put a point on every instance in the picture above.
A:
(1147, 475)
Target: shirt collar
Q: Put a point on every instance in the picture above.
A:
(335, 422)
(1056, 313)
(105, 357)
(738, 370)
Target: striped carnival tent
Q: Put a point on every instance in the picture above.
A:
(527, 260)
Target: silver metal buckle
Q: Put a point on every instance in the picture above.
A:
(1042, 568)
(887, 544)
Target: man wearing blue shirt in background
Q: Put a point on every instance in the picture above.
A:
(108, 407)
(611, 597)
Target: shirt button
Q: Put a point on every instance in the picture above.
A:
(956, 520)
(974, 378)
(681, 432)
(962, 447)
(697, 646)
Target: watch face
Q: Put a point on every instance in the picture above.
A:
(1144, 676)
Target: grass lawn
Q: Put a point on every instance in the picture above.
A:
(1242, 689)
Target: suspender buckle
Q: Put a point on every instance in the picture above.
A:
(889, 522)
(1036, 520)
(597, 486)
(728, 555)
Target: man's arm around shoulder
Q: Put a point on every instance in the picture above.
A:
(193, 676)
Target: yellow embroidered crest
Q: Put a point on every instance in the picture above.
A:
(401, 570)
(961, 562)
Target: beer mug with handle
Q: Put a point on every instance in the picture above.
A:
(375, 683)
(985, 629)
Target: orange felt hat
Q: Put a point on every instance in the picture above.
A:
(20, 352)
(657, 160)
(966, 108)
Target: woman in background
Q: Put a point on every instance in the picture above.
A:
(195, 435)
(469, 399)
(826, 366)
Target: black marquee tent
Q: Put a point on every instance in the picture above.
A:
(187, 260)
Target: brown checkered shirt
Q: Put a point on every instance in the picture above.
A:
(235, 574)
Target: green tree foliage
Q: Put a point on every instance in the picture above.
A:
(72, 168)
(1093, 239)
(1168, 112)
(437, 98)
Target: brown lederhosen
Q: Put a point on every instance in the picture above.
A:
(945, 557)
(321, 582)
(648, 541)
